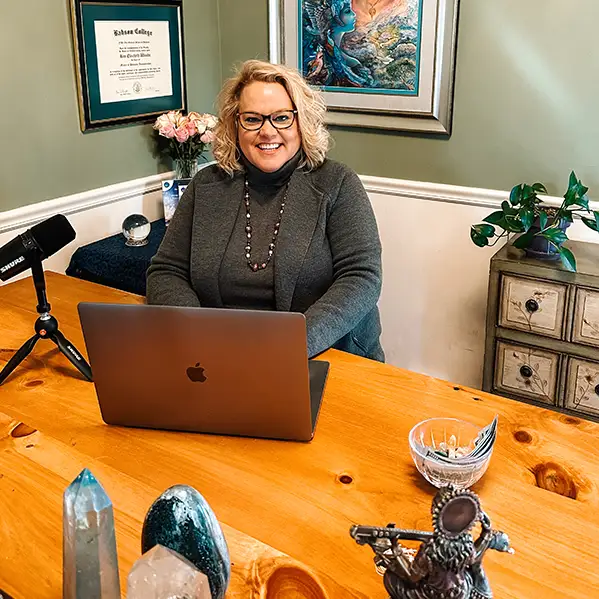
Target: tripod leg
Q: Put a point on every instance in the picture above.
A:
(19, 356)
(70, 351)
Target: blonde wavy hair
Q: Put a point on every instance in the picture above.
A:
(309, 103)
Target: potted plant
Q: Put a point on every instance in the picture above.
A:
(541, 228)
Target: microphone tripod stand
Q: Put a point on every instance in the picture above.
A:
(46, 327)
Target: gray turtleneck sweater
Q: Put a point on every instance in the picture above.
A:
(240, 286)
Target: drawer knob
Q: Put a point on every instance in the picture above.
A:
(597, 389)
(532, 305)
(526, 371)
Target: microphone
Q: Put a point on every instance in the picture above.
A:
(45, 239)
(27, 251)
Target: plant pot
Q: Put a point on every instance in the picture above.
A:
(541, 248)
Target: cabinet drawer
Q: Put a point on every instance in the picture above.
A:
(535, 306)
(526, 371)
(586, 317)
(582, 388)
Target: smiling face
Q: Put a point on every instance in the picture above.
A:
(268, 148)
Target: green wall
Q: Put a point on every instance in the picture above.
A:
(525, 101)
(43, 153)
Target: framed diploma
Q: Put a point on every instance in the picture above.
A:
(128, 59)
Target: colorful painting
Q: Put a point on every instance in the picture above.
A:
(368, 45)
(386, 64)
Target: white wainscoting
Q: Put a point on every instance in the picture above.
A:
(434, 295)
(94, 214)
(433, 304)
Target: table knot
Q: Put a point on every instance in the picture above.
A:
(556, 479)
(22, 430)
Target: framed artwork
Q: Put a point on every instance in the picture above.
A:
(380, 63)
(128, 59)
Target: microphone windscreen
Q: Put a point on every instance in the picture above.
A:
(53, 234)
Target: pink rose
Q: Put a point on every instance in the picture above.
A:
(191, 128)
(167, 130)
(161, 122)
(210, 120)
(181, 134)
(174, 116)
(198, 122)
(208, 137)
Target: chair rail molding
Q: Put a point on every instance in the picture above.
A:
(31, 214)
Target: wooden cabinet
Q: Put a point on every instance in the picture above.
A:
(526, 371)
(586, 317)
(532, 305)
(542, 336)
(582, 387)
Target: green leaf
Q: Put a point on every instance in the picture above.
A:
(539, 188)
(527, 192)
(494, 218)
(555, 235)
(507, 209)
(524, 240)
(527, 217)
(581, 189)
(530, 202)
(478, 238)
(591, 223)
(582, 201)
(569, 198)
(567, 216)
(486, 230)
(516, 195)
(513, 224)
(573, 180)
(542, 220)
(568, 259)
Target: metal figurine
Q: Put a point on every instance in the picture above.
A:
(448, 564)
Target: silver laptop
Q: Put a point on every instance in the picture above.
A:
(210, 370)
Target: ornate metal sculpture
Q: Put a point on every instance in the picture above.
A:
(448, 564)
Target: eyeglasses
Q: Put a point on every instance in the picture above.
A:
(253, 121)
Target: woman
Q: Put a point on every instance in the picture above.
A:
(275, 225)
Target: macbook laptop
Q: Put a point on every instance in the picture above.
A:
(210, 370)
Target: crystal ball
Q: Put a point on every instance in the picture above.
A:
(136, 229)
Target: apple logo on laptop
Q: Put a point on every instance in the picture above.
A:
(196, 373)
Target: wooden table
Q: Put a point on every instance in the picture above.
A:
(286, 508)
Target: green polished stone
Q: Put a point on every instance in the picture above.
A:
(182, 520)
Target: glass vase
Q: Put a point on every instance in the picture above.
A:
(185, 168)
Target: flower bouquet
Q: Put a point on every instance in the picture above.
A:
(184, 138)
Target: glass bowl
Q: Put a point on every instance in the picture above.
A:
(432, 433)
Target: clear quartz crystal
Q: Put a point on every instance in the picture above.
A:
(162, 573)
(90, 564)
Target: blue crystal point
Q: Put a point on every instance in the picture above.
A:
(90, 565)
